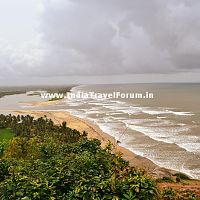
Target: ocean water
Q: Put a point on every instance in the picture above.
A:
(165, 129)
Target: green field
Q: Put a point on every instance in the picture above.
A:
(6, 134)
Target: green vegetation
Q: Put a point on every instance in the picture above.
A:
(61, 91)
(5, 93)
(182, 176)
(45, 161)
(6, 134)
(35, 93)
(170, 194)
(56, 99)
(165, 179)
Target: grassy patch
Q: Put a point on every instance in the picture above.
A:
(165, 179)
(182, 176)
(56, 99)
(6, 134)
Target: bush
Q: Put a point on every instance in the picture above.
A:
(45, 161)
(165, 179)
(91, 173)
(50, 162)
(182, 176)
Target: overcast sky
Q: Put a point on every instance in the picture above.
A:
(94, 41)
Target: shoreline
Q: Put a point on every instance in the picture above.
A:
(94, 132)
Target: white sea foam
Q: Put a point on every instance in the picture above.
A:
(155, 133)
(182, 113)
(27, 106)
(188, 142)
(155, 112)
(162, 129)
(166, 112)
(174, 164)
(109, 129)
(114, 107)
(161, 117)
(124, 109)
(194, 173)
(74, 104)
(171, 135)
(139, 121)
(113, 113)
(118, 102)
(93, 112)
(96, 104)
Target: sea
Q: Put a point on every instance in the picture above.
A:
(164, 129)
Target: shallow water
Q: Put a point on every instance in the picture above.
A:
(165, 129)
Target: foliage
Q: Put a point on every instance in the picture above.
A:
(81, 170)
(170, 194)
(165, 179)
(182, 176)
(53, 162)
(6, 134)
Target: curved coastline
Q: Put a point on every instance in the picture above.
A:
(94, 132)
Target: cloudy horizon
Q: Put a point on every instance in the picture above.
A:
(73, 41)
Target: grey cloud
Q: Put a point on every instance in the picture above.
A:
(106, 37)
(115, 36)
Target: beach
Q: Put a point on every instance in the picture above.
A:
(154, 135)
(164, 129)
(94, 132)
(36, 107)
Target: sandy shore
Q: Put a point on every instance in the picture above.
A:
(95, 132)
(42, 103)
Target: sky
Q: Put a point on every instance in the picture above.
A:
(109, 41)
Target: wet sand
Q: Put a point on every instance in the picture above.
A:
(94, 131)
